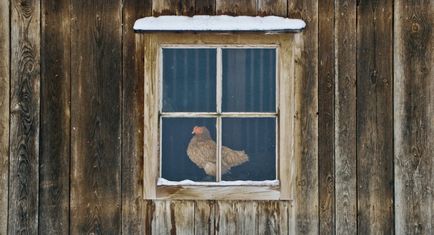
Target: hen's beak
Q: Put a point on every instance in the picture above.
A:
(192, 132)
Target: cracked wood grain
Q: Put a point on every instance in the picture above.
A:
(24, 117)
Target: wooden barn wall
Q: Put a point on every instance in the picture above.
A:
(71, 124)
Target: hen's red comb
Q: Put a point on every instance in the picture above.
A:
(197, 130)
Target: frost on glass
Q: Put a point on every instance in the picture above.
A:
(189, 80)
(176, 164)
(256, 137)
(249, 80)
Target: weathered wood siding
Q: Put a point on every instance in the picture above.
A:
(4, 113)
(345, 117)
(374, 138)
(55, 118)
(72, 131)
(24, 117)
(326, 90)
(96, 90)
(414, 117)
(133, 207)
(305, 210)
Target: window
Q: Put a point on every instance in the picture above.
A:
(228, 92)
(218, 115)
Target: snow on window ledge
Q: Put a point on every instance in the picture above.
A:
(221, 23)
(164, 182)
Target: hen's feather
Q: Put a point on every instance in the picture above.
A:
(231, 158)
(202, 151)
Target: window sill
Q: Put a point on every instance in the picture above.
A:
(199, 192)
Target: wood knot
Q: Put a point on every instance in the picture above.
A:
(415, 27)
(25, 8)
(301, 183)
(416, 152)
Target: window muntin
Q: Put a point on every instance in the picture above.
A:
(239, 100)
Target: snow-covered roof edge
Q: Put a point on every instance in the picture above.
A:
(221, 23)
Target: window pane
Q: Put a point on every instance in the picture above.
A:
(257, 138)
(249, 80)
(176, 163)
(189, 80)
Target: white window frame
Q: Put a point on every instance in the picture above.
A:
(286, 53)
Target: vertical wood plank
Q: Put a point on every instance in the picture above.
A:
(4, 114)
(96, 120)
(237, 217)
(133, 206)
(306, 126)
(55, 118)
(284, 217)
(374, 117)
(345, 117)
(24, 117)
(225, 217)
(173, 7)
(162, 218)
(249, 217)
(268, 214)
(205, 7)
(414, 116)
(246, 213)
(240, 7)
(326, 75)
(292, 226)
(183, 217)
(204, 218)
(272, 7)
(148, 211)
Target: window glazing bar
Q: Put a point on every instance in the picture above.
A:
(219, 109)
(212, 114)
